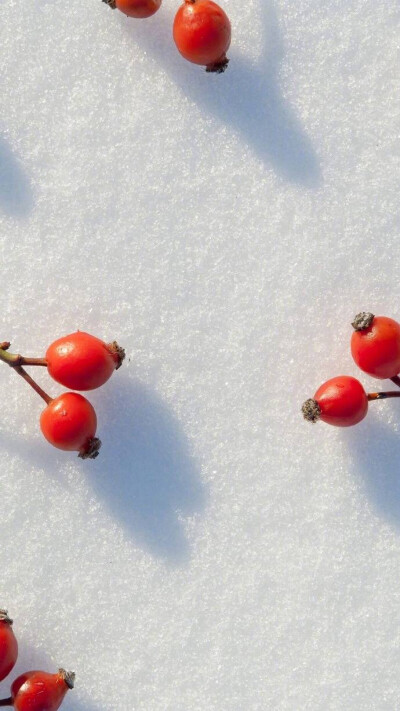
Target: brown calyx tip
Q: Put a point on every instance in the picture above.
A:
(311, 410)
(218, 67)
(110, 3)
(117, 352)
(4, 346)
(362, 321)
(91, 449)
(4, 617)
(68, 676)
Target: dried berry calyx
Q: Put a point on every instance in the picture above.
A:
(363, 320)
(118, 352)
(110, 3)
(91, 449)
(68, 676)
(4, 617)
(311, 410)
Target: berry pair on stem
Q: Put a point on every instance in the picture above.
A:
(80, 362)
(202, 31)
(375, 347)
(34, 690)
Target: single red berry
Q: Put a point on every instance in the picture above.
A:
(83, 362)
(8, 645)
(341, 401)
(69, 422)
(375, 345)
(40, 691)
(202, 34)
(138, 8)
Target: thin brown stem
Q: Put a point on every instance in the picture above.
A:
(383, 396)
(15, 359)
(396, 380)
(6, 702)
(18, 369)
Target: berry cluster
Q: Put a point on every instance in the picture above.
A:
(80, 362)
(375, 347)
(202, 31)
(34, 690)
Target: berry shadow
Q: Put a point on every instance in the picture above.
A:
(145, 473)
(247, 97)
(16, 197)
(375, 448)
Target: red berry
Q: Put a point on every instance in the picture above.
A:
(138, 8)
(82, 362)
(8, 645)
(202, 34)
(375, 345)
(69, 422)
(341, 401)
(40, 691)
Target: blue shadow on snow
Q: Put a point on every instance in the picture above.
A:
(375, 447)
(145, 473)
(16, 197)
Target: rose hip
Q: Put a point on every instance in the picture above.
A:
(83, 362)
(375, 345)
(202, 34)
(8, 645)
(341, 401)
(69, 422)
(39, 691)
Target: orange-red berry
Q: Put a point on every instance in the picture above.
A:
(138, 8)
(80, 361)
(341, 401)
(69, 422)
(375, 345)
(40, 691)
(202, 34)
(8, 645)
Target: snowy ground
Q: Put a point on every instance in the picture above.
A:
(220, 554)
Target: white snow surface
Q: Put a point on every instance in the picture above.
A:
(220, 554)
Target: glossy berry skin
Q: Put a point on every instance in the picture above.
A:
(138, 8)
(69, 422)
(80, 361)
(202, 34)
(40, 691)
(376, 349)
(342, 401)
(8, 646)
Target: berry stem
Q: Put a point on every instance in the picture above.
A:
(18, 369)
(15, 359)
(6, 702)
(396, 380)
(383, 396)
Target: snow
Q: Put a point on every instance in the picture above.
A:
(220, 554)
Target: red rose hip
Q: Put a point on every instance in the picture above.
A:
(69, 422)
(138, 8)
(8, 645)
(39, 691)
(202, 34)
(375, 345)
(80, 361)
(341, 401)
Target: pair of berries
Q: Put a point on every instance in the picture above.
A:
(202, 31)
(34, 690)
(80, 362)
(375, 347)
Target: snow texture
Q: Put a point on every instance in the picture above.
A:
(221, 554)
